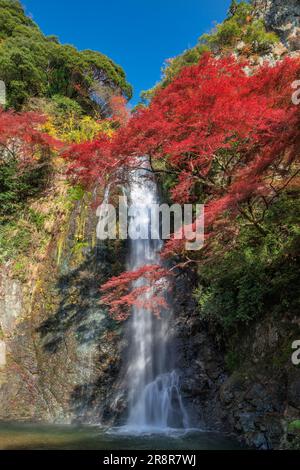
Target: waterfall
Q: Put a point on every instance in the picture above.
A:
(154, 394)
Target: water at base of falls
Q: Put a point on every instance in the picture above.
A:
(154, 400)
(26, 436)
(160, 406)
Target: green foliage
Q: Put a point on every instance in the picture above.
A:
(15, 239)
(292, 441)
(226, 35)
(240, 26)
(233, 360)
(12, 16)
(19, 269)
(66, 120)
(17, 185)
(65, 107)
(36, 218)
(258, 274)
(188, 58)
(32, 64)
(294, 426)
(258, 38)
(76, 193)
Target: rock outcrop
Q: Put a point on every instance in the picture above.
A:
(60, 350)
(245, 384)
(283, 17)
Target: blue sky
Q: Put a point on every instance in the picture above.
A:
(137, 34)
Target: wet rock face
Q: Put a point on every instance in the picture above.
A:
(255, 399)
(283, 17)
(60, 351)
(10, 302)
(200, 364)
(254, 407)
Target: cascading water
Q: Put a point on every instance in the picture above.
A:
(154, 395)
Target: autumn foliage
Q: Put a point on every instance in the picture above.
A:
(143, 288)
(21, 136)
(119, 110)
(25, 159)
(228, 136)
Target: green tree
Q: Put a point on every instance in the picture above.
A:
(33, 65)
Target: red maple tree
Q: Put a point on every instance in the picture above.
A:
(21, 137)
(229, 137)
(123, 291)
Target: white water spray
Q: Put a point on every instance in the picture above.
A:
(155, 401)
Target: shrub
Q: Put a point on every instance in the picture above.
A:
(17, 186)
(258, 275)
(241, 26)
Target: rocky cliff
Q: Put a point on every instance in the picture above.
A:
(245, 385)
(60, 349)
(283, 17)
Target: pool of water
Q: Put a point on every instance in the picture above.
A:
(42, 437)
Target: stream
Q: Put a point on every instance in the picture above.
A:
(42, 437)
